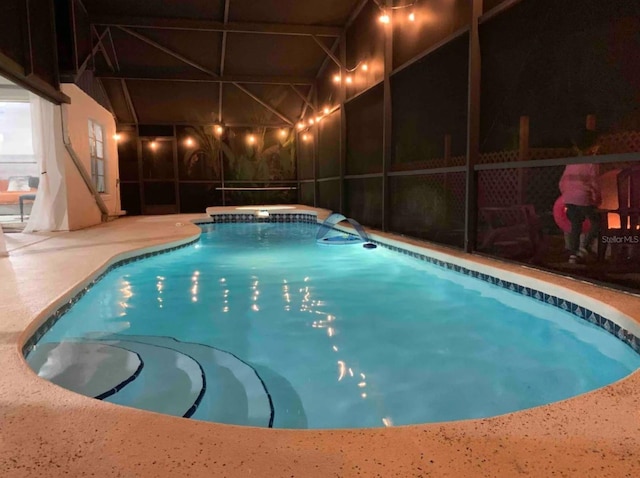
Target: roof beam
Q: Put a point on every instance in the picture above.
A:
(113, 48)
(327, 51)
(103, 50)
(307, 102)
(127, 97)
(168, 51)
(95, 49)
(354, 14)
(266, 105)
(223, 52)
(196, 78)
(212, 26)
(304, 98)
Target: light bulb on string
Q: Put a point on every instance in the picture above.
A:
(336, 78)
(189, 142)
(306, 137)
(311, 121)
(364, 67)
(384, 18)
(117, 137)
(218, 129)
(412, 17)
(326, 110)
(349, 80)
(251, 139)
(283, 133)
(153, 145)
(300, 125)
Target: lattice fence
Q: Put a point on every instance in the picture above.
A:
(541, 187)
(498, 187)
(429, 164)
(457, 160)
(498, 157)
(549, 153)
(623, 142)
(457, 189)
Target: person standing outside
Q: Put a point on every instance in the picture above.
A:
(581, 195)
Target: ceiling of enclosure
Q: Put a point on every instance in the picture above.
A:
(240, 62)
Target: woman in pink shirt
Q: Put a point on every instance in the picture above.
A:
(581, 195)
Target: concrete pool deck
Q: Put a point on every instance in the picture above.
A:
(47, 431)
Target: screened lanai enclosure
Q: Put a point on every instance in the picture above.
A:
(450, 121)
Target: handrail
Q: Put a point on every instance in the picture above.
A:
(83, 172)
(257, 189)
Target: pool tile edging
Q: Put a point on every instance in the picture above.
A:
(579, 311)
(223, 218)
(53, 318)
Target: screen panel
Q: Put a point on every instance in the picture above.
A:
(363, 199)
(364, 132)
(429, 207)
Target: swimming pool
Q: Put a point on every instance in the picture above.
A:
(258, 325)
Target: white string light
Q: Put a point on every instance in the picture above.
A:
(385, 11)
(385, 17)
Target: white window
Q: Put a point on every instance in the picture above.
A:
(96, 145)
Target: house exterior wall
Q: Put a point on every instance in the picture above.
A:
(82, 208)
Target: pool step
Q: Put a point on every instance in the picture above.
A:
(235, 393)
(288, 409)
(171, 382)
(165, 375)
(94, 369)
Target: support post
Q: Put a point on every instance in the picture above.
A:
(447, 160)
(176, 175)
(342, 96)
(523, 155)
(473, 130)
(447, 149)
(316, 167)
(387, 120)
(523, 146)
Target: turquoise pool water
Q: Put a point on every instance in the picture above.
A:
(256, 324)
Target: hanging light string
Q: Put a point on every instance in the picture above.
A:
(303, 126)
(385, 18)
(398, 7)
(360, 63)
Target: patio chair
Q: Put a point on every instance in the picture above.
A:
(628, 212)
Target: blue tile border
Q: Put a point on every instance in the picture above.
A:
(63, 309)
(575, 309)
(273, 217)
